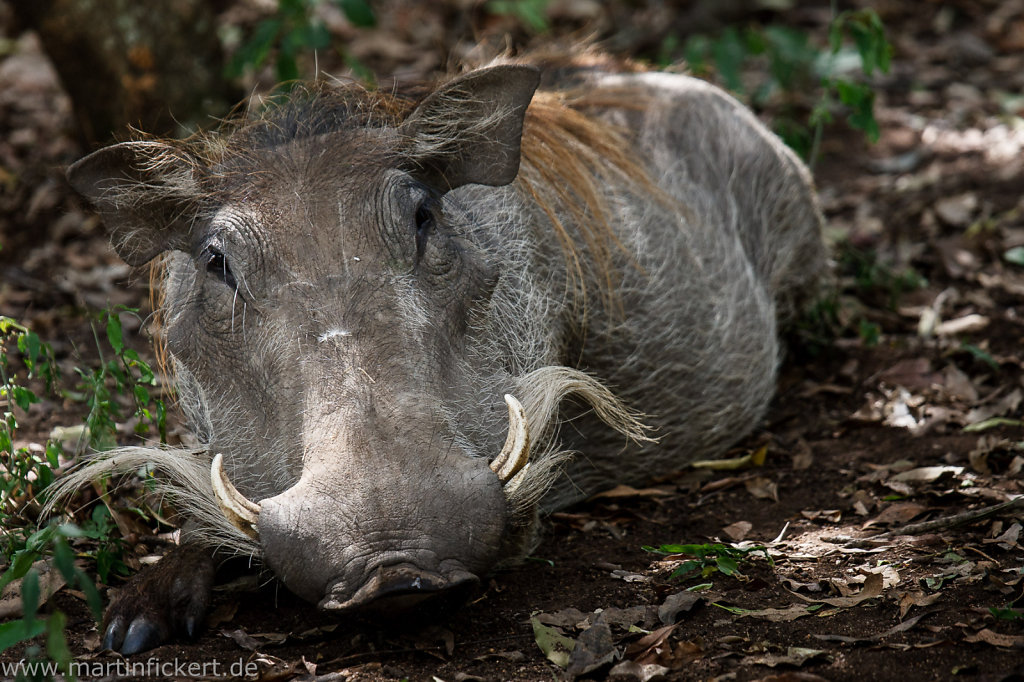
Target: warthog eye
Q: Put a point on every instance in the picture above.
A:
(217, 265)
(424, 226)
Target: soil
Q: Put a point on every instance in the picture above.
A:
(909, 412)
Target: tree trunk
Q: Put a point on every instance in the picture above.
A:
(155, 65)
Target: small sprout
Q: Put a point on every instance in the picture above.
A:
(709, 558)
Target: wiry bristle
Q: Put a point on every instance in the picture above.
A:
(183, 474)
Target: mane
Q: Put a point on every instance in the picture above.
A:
(568, 158)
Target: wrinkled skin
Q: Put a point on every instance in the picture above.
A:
(348, 302)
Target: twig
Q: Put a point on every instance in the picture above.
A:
(954, 520)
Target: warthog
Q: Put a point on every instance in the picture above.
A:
(366, 296)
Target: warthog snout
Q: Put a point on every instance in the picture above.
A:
(404, 588)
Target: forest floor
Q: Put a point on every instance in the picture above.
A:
(891, 452)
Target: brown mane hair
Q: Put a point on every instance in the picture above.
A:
(568, 158)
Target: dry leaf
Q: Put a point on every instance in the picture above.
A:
(737, 531)
(962, 325)
(926, 474)
(828, 515)
(675, 604)
(872, 588)
(796, 656)
(763, 488)
(642, 672)
(594, 649)
(629, 491)
(896, 514)
(996, 639)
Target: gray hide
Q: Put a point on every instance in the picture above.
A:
(349, 296)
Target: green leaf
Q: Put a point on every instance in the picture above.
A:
(114, 334)
(992, 423)
(21, 563)
(358, 12)
(1006, 613)
(685, 569)
(92, 595)
(30, 595)
(23, 397)
(18, 631)
(728, 52)
(64, 559)
(980, 354)
(727, 565)
(861, 101)
(732, 609)
(1014, 255)
(56, 641)
(254, 52)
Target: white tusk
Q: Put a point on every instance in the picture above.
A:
(242, 513)
(516, 452)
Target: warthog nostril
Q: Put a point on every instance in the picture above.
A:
(403, 590)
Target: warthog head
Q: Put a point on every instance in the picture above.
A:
(355, 328)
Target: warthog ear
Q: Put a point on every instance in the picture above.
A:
(469, 130)
(146, 193)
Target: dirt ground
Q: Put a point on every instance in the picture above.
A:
(889, 500)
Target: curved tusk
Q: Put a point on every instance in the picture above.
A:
(242, 513)
(516, 452)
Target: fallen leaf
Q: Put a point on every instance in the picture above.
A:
(803, 456)
(50, 582)
(642, 672)
(242, 639)
(763, 488)
(1005, 405)
(962, 325)
(872, 588)
(645, 646)
(908, 600)
(913, 374)
(594, 649)
(794, 656)
(790, 613)
(566, 618)
(829, 515)
(753, 459)
(957, 211)
(630, 576)
(846, 639)
(630, 616)
(737, 531)
(555, 645)
(896, 514)
(996, 639)
(677, 603)
(926, 474)
(629, 491)
(793, 676)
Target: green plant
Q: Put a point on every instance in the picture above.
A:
(292, 30)
(1008, 612)
(871, 277)
(796, 65)
(125, 374)
(25, 472)
(532, 14)
(709, 558)
(49, 541)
